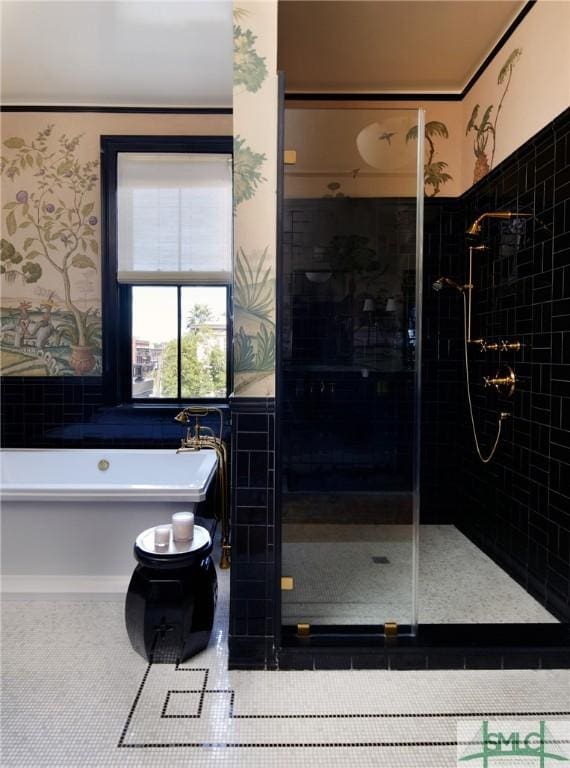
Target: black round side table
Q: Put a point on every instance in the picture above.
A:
(171, 600)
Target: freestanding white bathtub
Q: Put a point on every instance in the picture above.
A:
(69, 518)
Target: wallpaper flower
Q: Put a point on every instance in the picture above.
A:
(50, 321)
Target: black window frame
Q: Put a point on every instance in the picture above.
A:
(117, 297)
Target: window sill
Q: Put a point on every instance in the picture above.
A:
(167, 407)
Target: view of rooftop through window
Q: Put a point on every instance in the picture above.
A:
(157, 337)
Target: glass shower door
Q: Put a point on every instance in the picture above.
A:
(349, 369)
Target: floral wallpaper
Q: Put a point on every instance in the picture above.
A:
(255, 180)
(50, 250)
(51, 314)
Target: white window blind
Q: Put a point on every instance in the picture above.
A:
(174, 218)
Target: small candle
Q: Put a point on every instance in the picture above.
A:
(162, 536)
(183, 526)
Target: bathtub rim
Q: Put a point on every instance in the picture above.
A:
(135, 492)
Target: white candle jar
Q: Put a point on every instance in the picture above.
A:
(162, 536)
(183, 526)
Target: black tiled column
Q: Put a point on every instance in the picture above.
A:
(253, 604)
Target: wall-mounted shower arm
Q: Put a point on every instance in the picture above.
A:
(475, 229)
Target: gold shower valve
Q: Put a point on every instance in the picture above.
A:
(497, 346)
(504, 381)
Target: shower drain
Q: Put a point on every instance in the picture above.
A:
(380, 559)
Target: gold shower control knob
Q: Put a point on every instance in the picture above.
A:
(504, 381)
(510, 346)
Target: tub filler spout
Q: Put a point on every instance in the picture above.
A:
(198, 437)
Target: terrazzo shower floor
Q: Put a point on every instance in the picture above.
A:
(75, 695)
(362, 574)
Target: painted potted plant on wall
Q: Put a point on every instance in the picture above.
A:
(50, 225)
(485, 130)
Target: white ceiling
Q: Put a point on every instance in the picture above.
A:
(137, 53)
(388, 45)
(165, 53)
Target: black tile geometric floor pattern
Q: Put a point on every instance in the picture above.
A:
(195, 700)
(75, 695)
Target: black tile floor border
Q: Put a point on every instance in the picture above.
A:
(434, 647)
(435, 659)
(204, 690)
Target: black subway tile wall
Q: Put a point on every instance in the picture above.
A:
(253, 609)
(442, 367)
(48, 412)
(517, 507)
(69, 413)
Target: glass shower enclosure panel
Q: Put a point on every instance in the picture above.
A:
(349, 369)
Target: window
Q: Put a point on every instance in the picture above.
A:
(168, 218)
(179, 341)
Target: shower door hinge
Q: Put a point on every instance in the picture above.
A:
(287, 583)
(390, 629)
(304, 630)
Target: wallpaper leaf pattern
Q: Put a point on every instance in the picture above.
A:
(254, 295)
(244, 356)
(485, 130)
(254, 263)
(50, 223)
(247, 173)
(434, 171)
(249, 68)
(253, 292)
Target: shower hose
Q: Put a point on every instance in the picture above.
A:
(484, 459)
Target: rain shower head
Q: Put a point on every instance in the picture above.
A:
(441, 282)
(475, 228)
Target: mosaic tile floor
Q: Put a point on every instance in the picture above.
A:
(76, 695)
(361, 574)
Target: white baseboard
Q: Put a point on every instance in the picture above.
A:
(41, 586)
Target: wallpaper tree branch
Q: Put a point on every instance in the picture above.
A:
(51, 320)
(255, 180)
